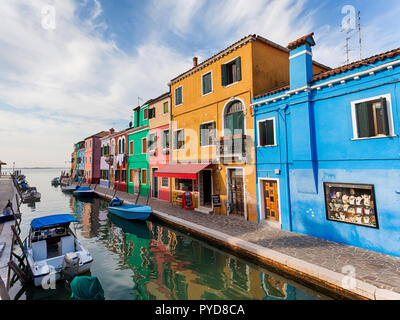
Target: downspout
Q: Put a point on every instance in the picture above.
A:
(287, 168)
(255, 159)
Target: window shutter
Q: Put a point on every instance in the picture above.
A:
(385, 124)
(262, 133)
(270, 138)
(364, 119)
(223, 75)
(238, 69)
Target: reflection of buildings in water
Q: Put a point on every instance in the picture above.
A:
(86, 210)
(274, 287)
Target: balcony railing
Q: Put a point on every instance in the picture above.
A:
(232, 149)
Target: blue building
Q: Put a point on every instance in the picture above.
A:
(327, 151)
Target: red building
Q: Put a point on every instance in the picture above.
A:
(119, 168)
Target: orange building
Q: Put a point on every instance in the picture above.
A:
(212, 147)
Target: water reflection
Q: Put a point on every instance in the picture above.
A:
(166, 264)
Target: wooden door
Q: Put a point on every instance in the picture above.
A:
(271, 200)
(237, 191)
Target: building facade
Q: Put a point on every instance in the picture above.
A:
(92, 157)
(80, 161)
(118, 170)
(159, 145)
(138, 163)
(105, 160)
(212, 126)
(327, 157)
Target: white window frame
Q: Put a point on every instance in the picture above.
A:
(163, 187)
(207, 122)
(388, 98)
(150, 135)
(233, 83)
(258, 133)
(261, 200)
(162, 137)
(173, 140)
(212, 87)
(147, 113)
(177, 105)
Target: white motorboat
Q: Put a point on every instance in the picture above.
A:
(69, 189)
(53, 251)
(31, 195)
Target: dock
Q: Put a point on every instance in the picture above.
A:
(7, 192)
(339, 270)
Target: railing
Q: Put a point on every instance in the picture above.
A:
(232, 149)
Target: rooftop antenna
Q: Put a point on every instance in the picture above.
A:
(359, 32)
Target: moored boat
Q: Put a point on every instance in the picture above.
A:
(55, 181)
(31, 194)
(69, 189)
(53, 252)
(129, 211)
(84, 192)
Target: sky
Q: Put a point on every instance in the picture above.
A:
(72, 68)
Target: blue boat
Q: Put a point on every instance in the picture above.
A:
(84, 192)
(129, 211)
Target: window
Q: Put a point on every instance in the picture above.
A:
(179, 139)
(207, 134)
(166, 107)
(123, 145)
(234, 119)
(130, 175)
(372, 118)
(152, 113)
(178, 96)
(145, 114)
(164, 182)
(152, 142)
(266, 133)
(144, 176)
(123, 176)
(131, 147)
(119, 146)
(117, 175)
(104, 174)
(165, 139)
(206, 83)
(183, 185)
(231, 72)
(144, 145)
(351, 203)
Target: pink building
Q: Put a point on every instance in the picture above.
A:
(159, 144)
(92, 157)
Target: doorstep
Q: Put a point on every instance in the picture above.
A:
(205, 210)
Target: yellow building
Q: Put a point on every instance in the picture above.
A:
(212, 131)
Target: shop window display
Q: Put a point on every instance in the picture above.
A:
(351, 203)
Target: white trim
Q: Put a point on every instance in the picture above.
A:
(237, 81)
(173, 140)
(261, 199)
(258, 133)
(244, 113)
(300, 53)
(169, 136)
(244, 188)
(390, 116)
(355, 76)
(207, 122)
(212, 87)
(167, 187)
(144, 109)
(177, 105)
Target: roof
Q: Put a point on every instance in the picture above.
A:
(49, 221)
(357, 64)
(236, 45)
(161, 97)
(307, 39)
(100, 134)
(1, 163)
(273, 91)
(182, 170)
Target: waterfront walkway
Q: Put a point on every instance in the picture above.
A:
(361, 272)
(7, 192)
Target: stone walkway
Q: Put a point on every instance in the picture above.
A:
(373, 270)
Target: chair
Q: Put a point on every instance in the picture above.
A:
(67, 244)
(39, 250)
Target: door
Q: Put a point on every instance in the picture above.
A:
(154, 183)
(271, 201)
(236, 190)
(207, 188)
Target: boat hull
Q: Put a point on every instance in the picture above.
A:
(132, 213)
(84, 194)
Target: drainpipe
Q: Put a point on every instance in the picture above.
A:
(255, 159)
(287, 167)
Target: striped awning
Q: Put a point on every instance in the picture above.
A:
(182, 170)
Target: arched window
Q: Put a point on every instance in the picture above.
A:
(234, 119)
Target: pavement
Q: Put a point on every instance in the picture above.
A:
(7, 192)
(364, 273)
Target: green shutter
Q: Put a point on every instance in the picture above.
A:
(238, 69)
(385, 120)
(262, 133)
(364, 118)
(223, 75)
(270, 135)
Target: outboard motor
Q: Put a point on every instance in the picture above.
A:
(70, 266)
(116, 202)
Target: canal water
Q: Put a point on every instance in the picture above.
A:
(150, 260)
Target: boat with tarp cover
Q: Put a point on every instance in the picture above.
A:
(53, 251)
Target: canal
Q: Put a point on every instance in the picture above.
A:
(150, 260)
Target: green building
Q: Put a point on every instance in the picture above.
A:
(138, 161)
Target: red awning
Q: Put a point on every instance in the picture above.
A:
(181, 170)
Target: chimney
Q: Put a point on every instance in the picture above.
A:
(300, 61)
(112, 130)
(195, 61)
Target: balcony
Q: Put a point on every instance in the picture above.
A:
(232, 149)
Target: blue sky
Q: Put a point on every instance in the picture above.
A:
(59, 85)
